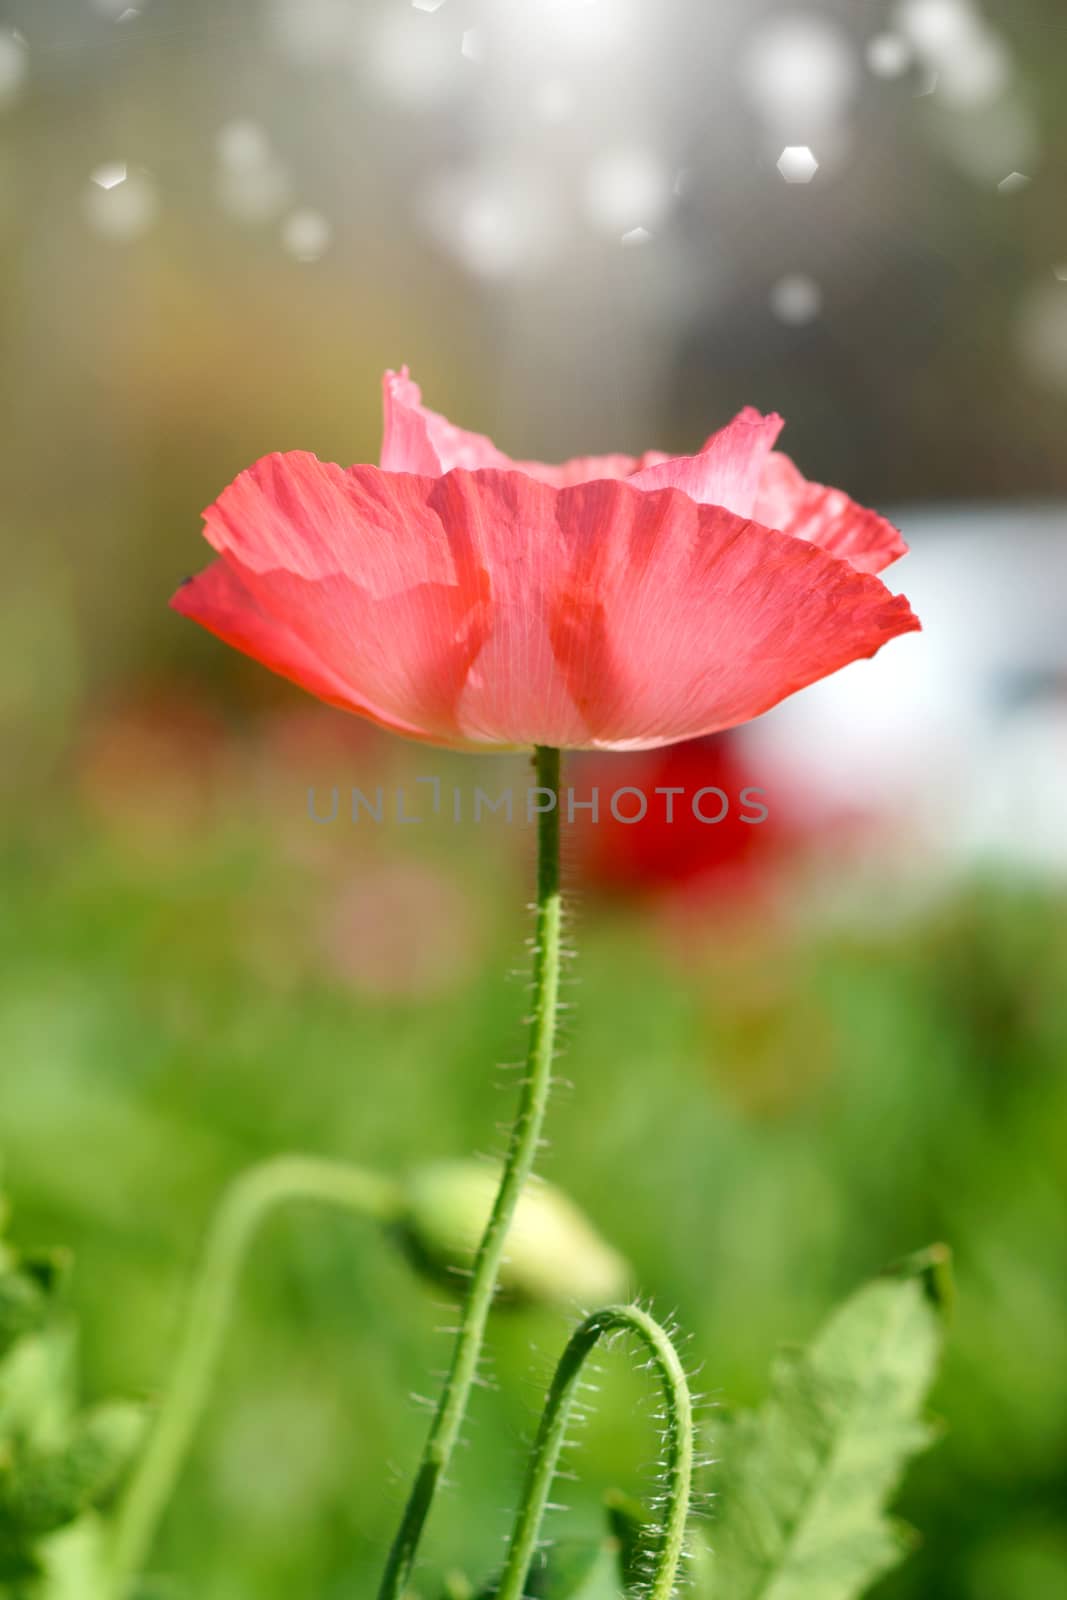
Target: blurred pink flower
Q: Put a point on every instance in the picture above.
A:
(400, 930)
(154, 765)
(609, 603)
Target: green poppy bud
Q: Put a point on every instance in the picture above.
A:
(552, 1253)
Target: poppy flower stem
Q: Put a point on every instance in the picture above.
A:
(250, 1200)
(666, 1553)
(522, 1151)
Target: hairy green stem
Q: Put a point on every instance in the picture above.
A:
(522, 1150)
(246, 1205)
(678, 1448)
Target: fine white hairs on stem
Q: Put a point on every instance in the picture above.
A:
(563, 1409)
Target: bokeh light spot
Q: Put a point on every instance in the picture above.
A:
(888, 55)
(119, 204)
(307, 235)
(798, 163)
(626, 189)
(796, 299)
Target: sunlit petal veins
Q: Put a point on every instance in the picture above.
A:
(678, 620)
(826, 517)
(728, 470)
(489, 607)
(416, 439)
(219, 602)
(312, 518)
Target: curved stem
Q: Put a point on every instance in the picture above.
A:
(522, 1149)
(678, 1448)
(244, 1208)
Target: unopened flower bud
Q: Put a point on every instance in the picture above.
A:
(552, 1253)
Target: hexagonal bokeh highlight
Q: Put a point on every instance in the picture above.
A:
(798, 163)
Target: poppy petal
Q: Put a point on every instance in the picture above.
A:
(416, 439)
(295, 513)
(728, 470)
(827, 517)
(679, 619)
(218, 600)
(487, 607)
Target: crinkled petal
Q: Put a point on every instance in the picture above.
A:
(680, 620)
(728, 470)
(826, 517)
(218, 600)
(416, 439)
(311, 518)
(491, 608)
(737, 468)
(584, 469)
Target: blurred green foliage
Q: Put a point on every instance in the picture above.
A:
(58, 1464)
(757, 1122)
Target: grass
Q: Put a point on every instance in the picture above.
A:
(758, 1124)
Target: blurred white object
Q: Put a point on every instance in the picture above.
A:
(797, 163)
(109, 176)
(243, 145)
(953, 39)
(119, 204)
(625, 189)
(497, 224)
(945, 731)
(415, 60)
(796, 299)
(937, 27)
(800, 73)
(888, 55)
(307, 235)
(252, 185)
(589, 32)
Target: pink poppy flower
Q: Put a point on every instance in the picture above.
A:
(459, 597)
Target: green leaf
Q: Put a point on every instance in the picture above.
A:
(576, 1569)
(45, 1490)
(38, 1388)
(629, 1530)
(803, 1483)
(23, 1308)
(56, 1467)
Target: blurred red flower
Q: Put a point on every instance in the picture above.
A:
(677, 853)
(609, 603)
